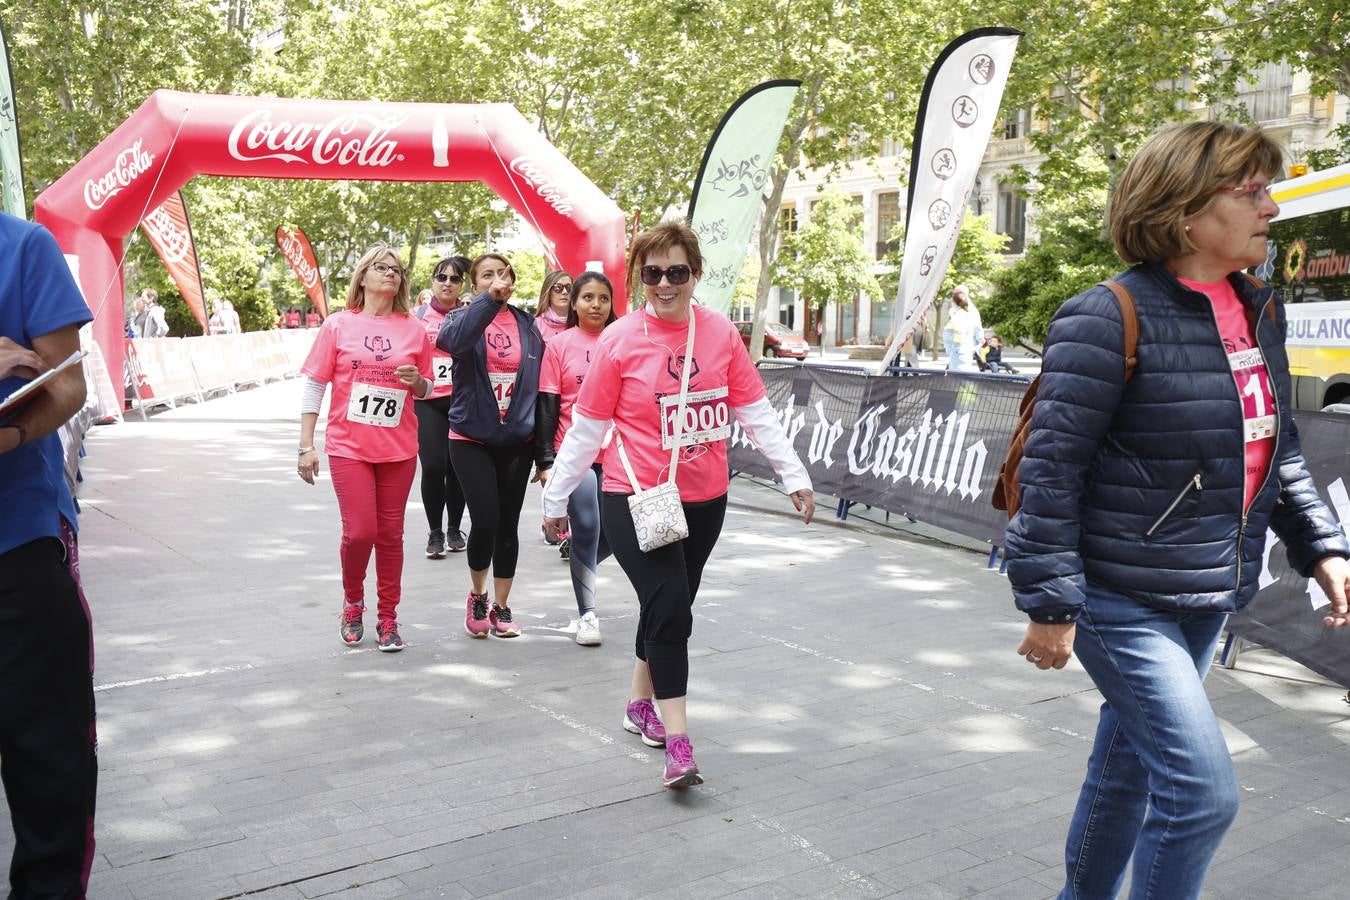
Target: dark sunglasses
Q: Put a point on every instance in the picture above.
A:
(561, 288)
(652, 275)
(453, 279)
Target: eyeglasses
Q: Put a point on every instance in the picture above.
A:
(1253, 193)
(560, 288)
(652, 275)
(385, 269)
(453, 279)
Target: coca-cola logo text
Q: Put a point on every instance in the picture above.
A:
(349, 139)
(130, 163)
(535, 176)
(172, 242)
(295, 255)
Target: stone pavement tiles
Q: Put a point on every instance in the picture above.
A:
(856, 704)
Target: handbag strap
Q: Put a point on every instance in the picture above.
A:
(679, 412)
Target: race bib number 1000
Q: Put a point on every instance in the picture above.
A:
(381, 407)
(707, 417)
(1258, 400)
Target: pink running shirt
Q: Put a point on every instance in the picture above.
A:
(432, 319)
(567, 358)
(635, 380)
(1259, 417)
(550, 326)
(502, 337)
(369, 414)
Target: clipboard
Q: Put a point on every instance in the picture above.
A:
(17, 399)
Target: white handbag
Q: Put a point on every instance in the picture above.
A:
(658, 516)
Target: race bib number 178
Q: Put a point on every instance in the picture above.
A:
(707, 418)
(371, 405)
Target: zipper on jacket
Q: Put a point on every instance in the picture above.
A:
(1195, 484)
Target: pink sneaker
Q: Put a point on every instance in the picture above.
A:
(640, 718)
(681, 770)
(351, 628)
(503, 625)
(476, 616)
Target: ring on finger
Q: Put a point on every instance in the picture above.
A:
(1035, 659)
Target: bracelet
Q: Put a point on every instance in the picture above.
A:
(23, 433)
(304, 450)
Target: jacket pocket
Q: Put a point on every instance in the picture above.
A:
(1193, 485)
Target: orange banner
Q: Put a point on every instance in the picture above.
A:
(170, 234)
(300, 254)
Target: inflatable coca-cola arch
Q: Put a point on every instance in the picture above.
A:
(174, 136)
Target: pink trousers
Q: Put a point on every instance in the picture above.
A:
(372, 498)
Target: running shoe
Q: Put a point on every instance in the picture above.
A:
(681, 770)
(476, 617)
(641, 719)
(352, 630)
(503, 625)
(390, 642)
(455, 542)
(553, 542)
(588, 630)
(436, 544)
(565, 548)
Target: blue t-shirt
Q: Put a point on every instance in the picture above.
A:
(37, 296)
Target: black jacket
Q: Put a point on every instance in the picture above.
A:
(1107, 459)
(473, 408)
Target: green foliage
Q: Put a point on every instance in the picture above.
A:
(826, 260)
(531, 267)
(1071, 256)
(975, 260)
(1336, 154)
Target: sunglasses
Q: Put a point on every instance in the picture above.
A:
(385, 269)
(453, 279)
(652, 275)
(560, 288)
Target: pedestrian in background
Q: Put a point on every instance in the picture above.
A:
(1146, 502)
(550, 316)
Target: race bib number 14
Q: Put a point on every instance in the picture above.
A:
(503, 386)
(381, 407)
(707, 418)
(1258, 400)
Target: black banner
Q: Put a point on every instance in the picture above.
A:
(929, 445)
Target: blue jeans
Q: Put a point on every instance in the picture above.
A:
(589, 547)
(1160, 784)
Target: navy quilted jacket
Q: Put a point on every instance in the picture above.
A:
(1137, 486)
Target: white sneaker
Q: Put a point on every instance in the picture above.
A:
(588, 630)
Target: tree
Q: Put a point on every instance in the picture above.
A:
(1069, 258)
(826, 260)
(1312, 34)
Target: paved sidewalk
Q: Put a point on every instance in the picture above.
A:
(864, 724)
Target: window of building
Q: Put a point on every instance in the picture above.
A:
(1012, 218)
(888, 216)
(883, 313)
(891, 147)
(1016, 124)
(846, 321)
(1266, 96)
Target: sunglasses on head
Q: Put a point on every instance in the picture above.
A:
(453, 279)
(561, 288)
(652, 275)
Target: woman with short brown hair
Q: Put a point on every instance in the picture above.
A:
(1146, 500)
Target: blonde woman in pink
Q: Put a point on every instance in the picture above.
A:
(377, 358)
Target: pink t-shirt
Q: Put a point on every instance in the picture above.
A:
(567, 358)
(502, 337)
(432, 319)
(634, 379)
(550, 326)
(1255, 392)
(369, 414)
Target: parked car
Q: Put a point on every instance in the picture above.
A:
(779, 340)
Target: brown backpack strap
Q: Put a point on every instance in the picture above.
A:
(1130, 319)
(1259, 284)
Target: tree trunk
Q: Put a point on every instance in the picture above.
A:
(416, 239)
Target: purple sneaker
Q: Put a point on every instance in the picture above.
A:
(640, 718)
(681, 770)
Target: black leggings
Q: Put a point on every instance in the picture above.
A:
(666, 581)
(440, 487)
(494, 481)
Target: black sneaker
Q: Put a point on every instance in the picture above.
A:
(436, 545)
(551, 541)
(565, 548)
(455, 542)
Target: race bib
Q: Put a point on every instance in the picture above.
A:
(707, 417)
(371, 405)
(440, 369)
(1254, 390)
(503, 386)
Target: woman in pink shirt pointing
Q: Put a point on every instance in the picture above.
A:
(377, 358)
(635, 380)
